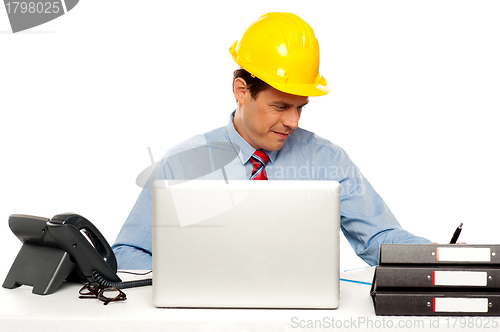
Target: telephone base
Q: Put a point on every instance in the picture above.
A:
(44, 268)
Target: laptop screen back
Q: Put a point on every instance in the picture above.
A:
(246, 244)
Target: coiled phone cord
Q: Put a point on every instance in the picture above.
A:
(123, 284)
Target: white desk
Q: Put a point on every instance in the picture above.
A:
(20, 310)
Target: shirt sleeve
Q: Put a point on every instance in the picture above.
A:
(366, 220)
(133, 246)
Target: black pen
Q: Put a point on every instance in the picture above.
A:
(455, 236)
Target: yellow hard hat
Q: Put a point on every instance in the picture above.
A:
(282, 50)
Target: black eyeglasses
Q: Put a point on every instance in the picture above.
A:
(105, 294)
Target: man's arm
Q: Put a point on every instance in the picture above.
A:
(133, 245)
(366, 220)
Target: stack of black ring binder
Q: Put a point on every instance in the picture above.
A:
(437, 280)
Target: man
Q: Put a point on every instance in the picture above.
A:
(279, 59)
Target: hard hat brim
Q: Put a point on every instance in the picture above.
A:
(308, 90)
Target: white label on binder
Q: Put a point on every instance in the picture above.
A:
(460, 304)
(448, 254)
(460, 278)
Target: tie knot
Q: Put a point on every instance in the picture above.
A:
(261, 156)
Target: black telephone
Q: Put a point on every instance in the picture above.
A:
(68, 246)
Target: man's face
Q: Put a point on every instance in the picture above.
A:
(267, 121)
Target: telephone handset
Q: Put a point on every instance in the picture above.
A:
(68, 246)
(71, 232)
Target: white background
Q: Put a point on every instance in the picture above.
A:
(414, 92)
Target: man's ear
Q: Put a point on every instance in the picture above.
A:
(240, 90)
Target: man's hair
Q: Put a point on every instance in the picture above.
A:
(254, 84)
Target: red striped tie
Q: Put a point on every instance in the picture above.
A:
(259, 160)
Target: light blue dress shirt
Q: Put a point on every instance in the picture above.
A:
(366, 221)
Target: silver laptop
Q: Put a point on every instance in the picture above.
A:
(246, 244)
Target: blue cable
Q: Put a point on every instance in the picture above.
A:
(356, 281)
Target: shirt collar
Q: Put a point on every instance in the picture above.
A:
(244, 148)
